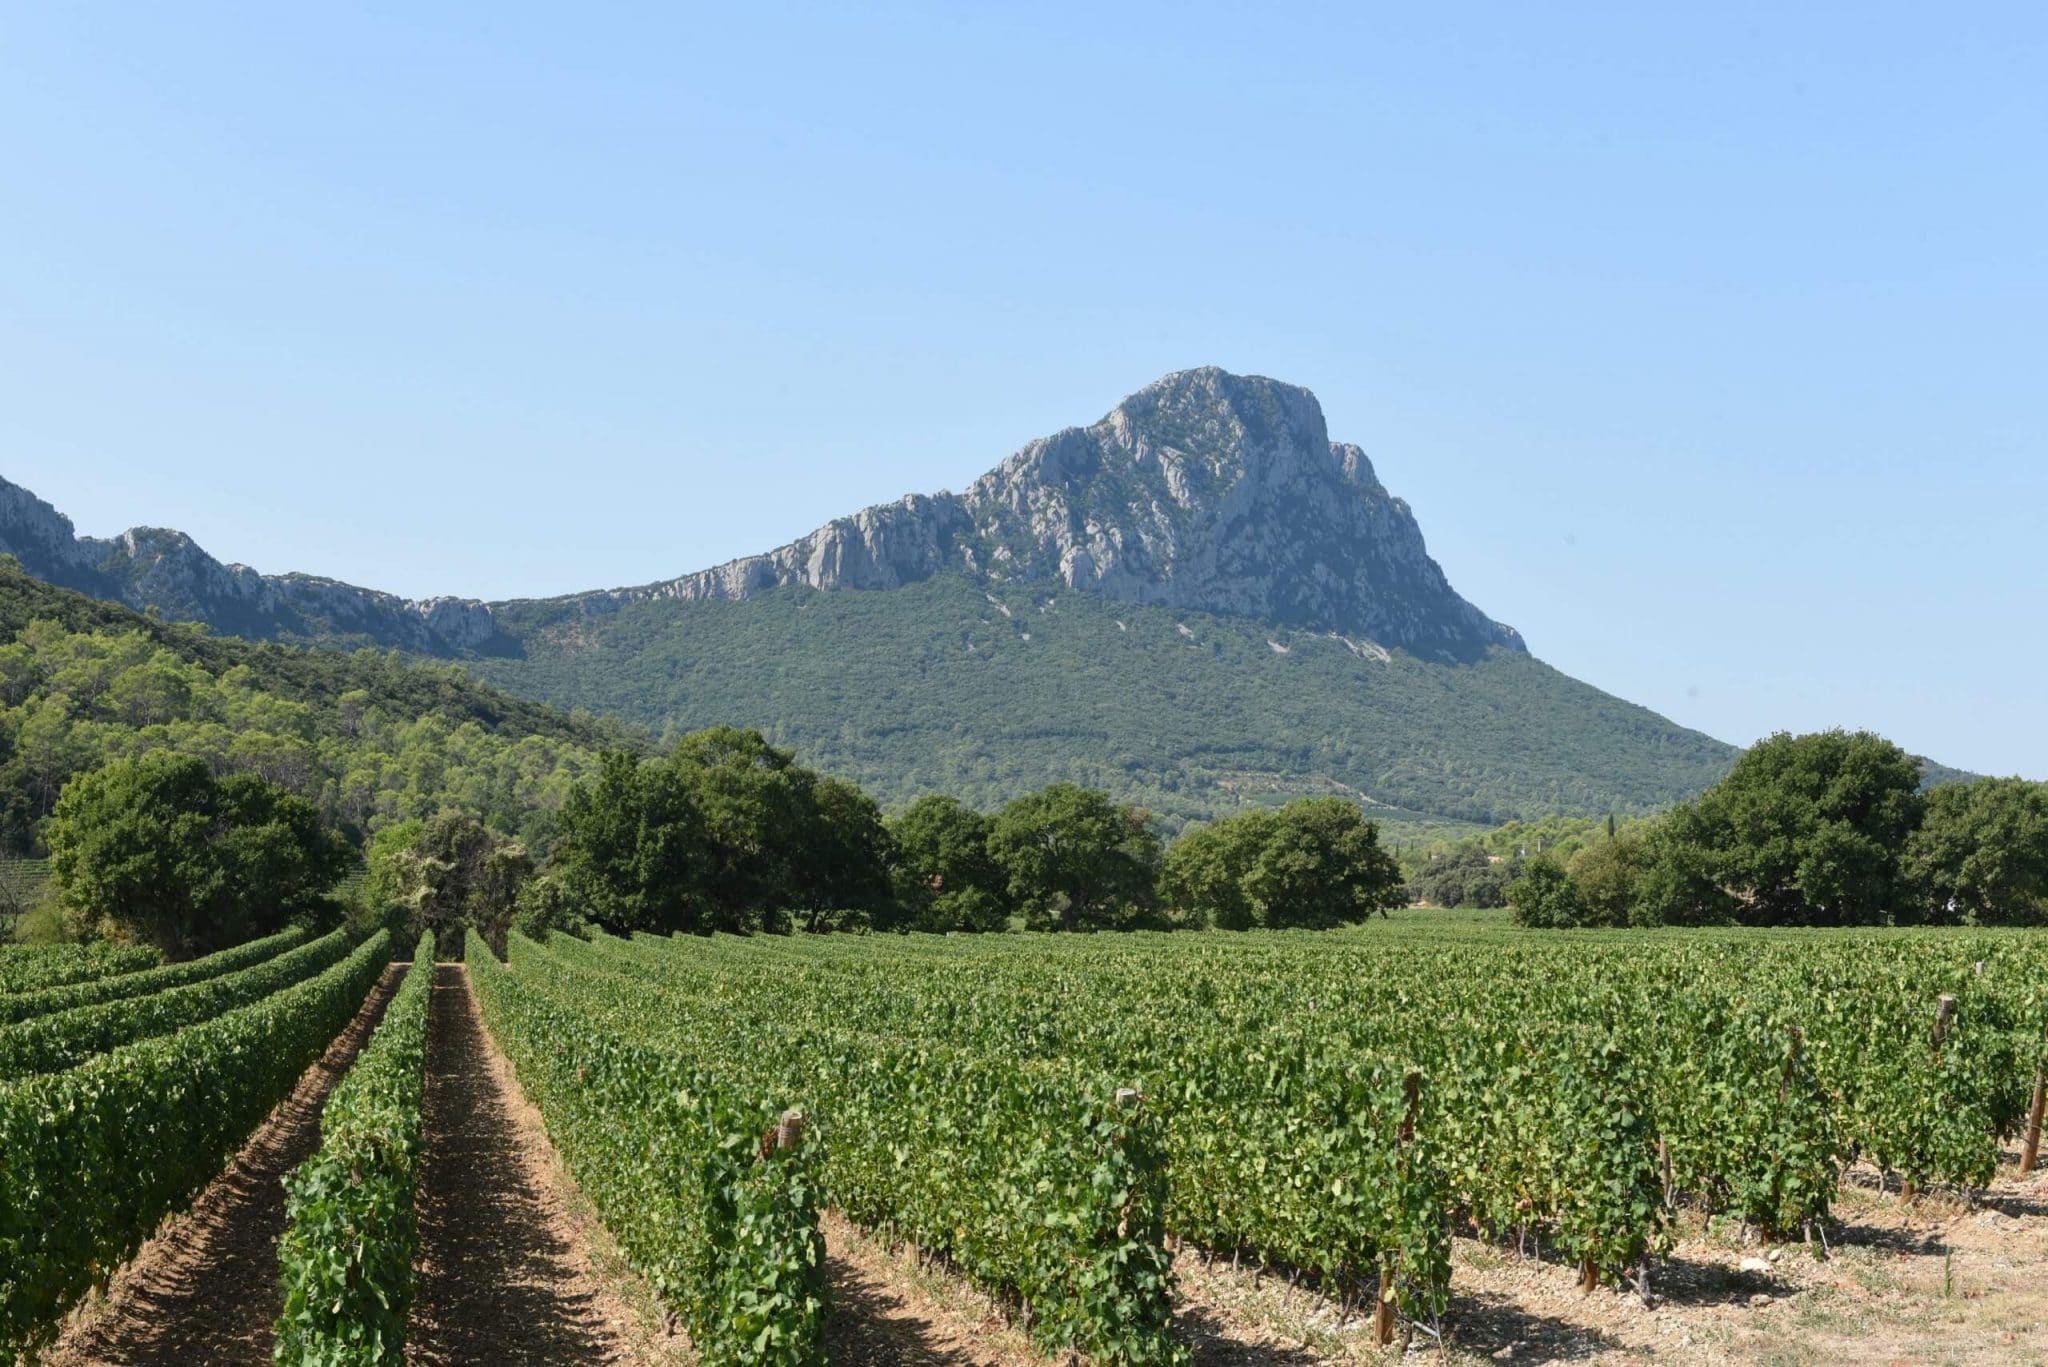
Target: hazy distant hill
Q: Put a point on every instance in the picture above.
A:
(1199, 601)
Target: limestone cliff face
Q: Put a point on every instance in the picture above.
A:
(152, 567)
(883, 547)
(1206, 491)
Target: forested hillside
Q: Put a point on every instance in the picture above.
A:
(366, 736)
(949, 686)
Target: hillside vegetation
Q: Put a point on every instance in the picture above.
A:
(367, 737)
(985, 693)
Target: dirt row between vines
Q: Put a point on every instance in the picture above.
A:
(204, 1290)
(515, 1267)
(508, 1274)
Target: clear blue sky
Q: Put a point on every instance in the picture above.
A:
(1711, 350)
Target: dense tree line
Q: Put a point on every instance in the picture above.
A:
(1477, 870)
(1827, 829)
(727, 832)
(158, 850)
(193, 791)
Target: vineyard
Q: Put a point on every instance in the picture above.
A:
(1083, 1132)
(1057, 1120)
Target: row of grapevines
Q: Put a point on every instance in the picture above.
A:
(1317, 1157)
(93, 1158)
(1286, 1139)
(49, 1044)
(30, 968)
(345, 1260)
(1560, 1078)
(1043, 1183)
(23, 1005)
(712, 1193)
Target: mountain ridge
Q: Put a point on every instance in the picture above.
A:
(1198, 601)
(1203, 490)
(163, 569)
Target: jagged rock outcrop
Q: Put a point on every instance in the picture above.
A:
(883, 547)
(153, 567)
(1206, 491)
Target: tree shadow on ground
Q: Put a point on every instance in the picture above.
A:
(873, 1325)
(498, 1281)
(1215, 1346)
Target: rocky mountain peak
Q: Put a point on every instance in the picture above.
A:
(1221, 492)
(1203, 491)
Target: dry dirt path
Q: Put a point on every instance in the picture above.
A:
(205, 1289)
(514, 1268)
(888, 1311)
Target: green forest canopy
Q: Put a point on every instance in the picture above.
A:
(365, 736)
(947, 686)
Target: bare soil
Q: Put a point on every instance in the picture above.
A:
(514, 1267)
(888, 1308)
(888, 1311)
(204, 1290)
(1939, 1280)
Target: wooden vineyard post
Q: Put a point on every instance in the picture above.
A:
(786, 1133)
(2032, 1149)
(1383, 1313)
(1944, 1012)
(1792, 1061)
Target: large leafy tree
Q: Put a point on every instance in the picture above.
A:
(1981, 853)
(160, 849)
(726, 832)
(1203, 876)
(1314, 863)
(1805, 830)
(629, 850)
(755, 806)
(1607, 876)
(1322, 866)
(1465, 876)
(946, 879)
(1075, 859)
(1545, 898)
(843, 867)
